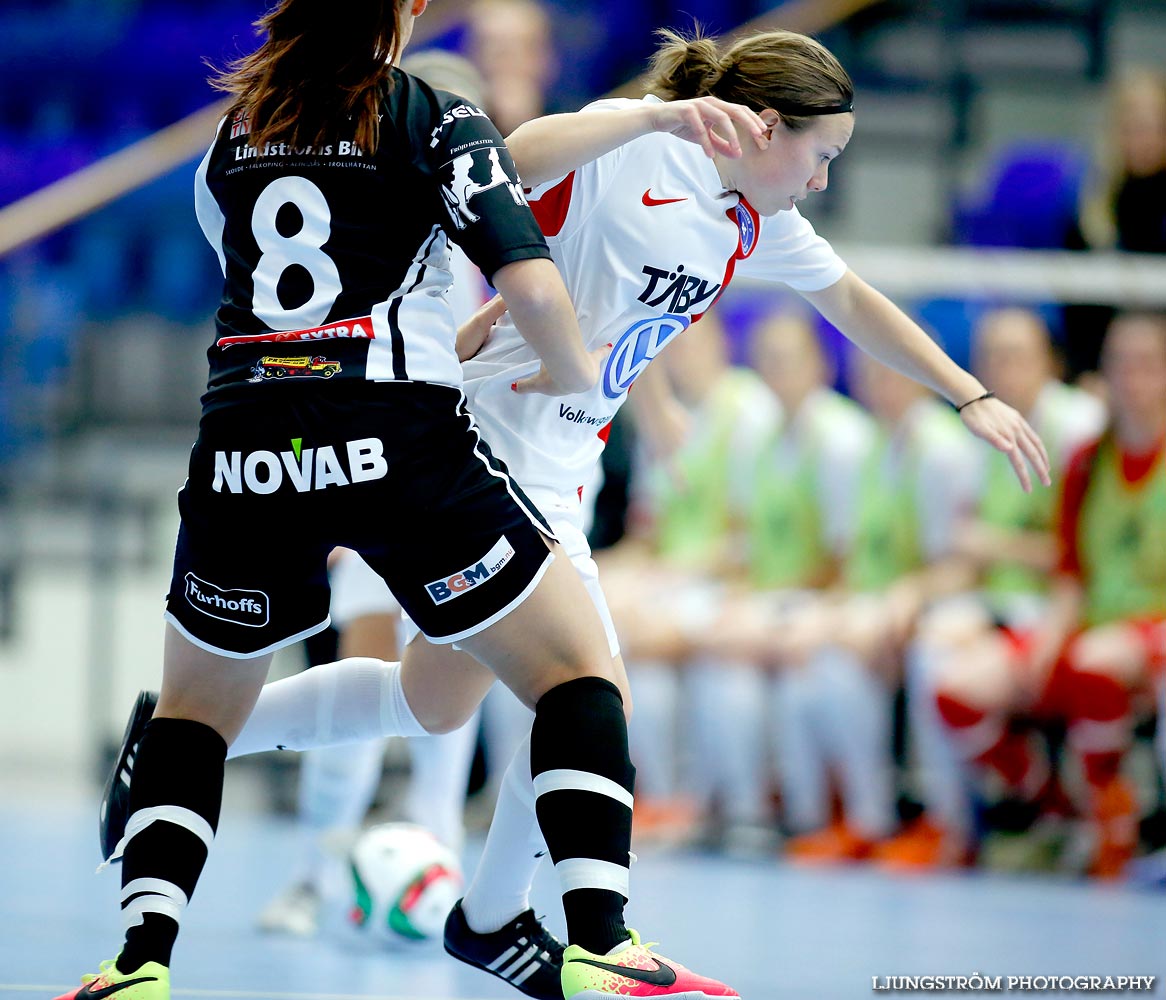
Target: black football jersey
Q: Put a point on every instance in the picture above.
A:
(336, 259)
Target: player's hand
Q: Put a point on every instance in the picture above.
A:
(541, 381)
(1007, 431)
(472, 334)
(709, 122)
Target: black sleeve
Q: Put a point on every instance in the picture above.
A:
(487, 211)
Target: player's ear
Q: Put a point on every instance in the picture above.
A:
(771, 118)
(419, 7)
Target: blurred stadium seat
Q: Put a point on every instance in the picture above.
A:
(1028, 198)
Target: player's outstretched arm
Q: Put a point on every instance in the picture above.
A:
(883, 330)
(549, 147)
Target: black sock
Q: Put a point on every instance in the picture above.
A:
(580, 726)
(179, 764)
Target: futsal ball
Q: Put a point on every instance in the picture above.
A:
(404, 883)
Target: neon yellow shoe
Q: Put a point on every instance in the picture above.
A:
(150, 982)
(632, 969)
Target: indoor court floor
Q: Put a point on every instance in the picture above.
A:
(769, 930)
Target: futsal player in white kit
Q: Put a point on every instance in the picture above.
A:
(647, 230)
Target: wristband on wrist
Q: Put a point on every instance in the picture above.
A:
(987, 395)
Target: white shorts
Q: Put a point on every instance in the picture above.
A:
(565, 516)
(357, 590)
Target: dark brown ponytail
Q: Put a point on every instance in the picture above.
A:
(684, 66)
(772, 69)
(320, 64)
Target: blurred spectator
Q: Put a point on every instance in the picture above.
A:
(1009, 549)
(1125, 207)
(803, 499)
(1086, 661)
(916, 483)
(510, 43)
(688, 512)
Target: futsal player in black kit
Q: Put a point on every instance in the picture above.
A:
(333, 416)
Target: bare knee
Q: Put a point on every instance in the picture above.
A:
(979, 676)
(1111, 651)
(443, 686)
(954, 623)
(439, 723)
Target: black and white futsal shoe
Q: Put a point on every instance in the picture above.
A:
(115, 802)
(523, 953)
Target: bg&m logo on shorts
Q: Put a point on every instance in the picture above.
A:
(240, 607)
(446, 590)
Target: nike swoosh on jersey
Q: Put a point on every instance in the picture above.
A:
(650, 201)
(662, 975)
(89, 993)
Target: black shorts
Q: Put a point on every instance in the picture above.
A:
(283, 473)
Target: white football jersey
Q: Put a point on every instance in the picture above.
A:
(646, 239)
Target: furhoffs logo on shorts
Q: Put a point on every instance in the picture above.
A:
(441, 591)
(240, 607)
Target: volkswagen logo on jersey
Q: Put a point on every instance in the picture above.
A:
(638, 345)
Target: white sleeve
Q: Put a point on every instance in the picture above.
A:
(206, 209)
(569, 199)
(946, 490)
(841, 459)
(788, 250)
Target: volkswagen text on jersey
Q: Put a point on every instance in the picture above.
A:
(304, 469)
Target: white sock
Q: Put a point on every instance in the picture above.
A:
(500, 890)
(337, 786)
(506, 721)
(801, 760)
(348, 701)
(943, 785)
(438, 777)
(652, 740)
(857, 714)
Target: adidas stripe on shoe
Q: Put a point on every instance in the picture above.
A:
(523, 953)
(115, 801)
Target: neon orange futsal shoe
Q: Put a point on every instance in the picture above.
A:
(632, 969)
(835, 845)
